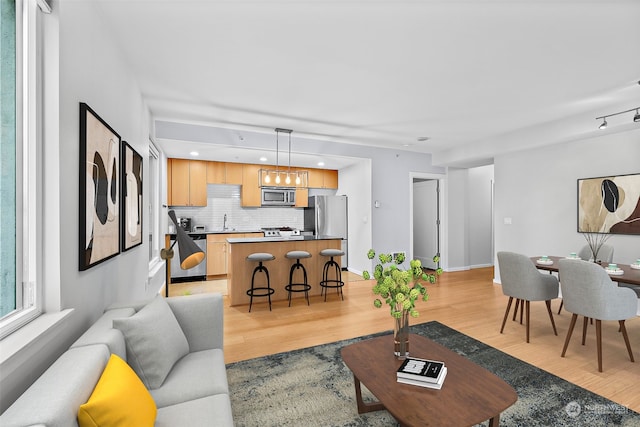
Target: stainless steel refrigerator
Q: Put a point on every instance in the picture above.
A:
(328, 216)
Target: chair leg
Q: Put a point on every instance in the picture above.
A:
(574, 317)
(584, 329)
(506, 313)
(515, 311)
(548, 302)
(560, 309)
(599, 343)
(623, 329)
(527, 305)
(521, 310)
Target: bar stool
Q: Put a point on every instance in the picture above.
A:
(304, 285)
(328, 266)
(260, 291)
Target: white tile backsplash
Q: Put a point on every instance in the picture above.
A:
(225, 199)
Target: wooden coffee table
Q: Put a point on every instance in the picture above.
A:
(470, 394)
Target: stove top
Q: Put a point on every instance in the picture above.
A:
(280, 231)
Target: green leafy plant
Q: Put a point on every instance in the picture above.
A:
(399, 288)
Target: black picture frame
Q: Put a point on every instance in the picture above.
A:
(609, 204)
(131, 180)
(99, 178)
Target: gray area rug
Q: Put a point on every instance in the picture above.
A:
(313, 387)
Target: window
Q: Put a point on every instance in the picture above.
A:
(154, 204)
(8, 296)
(19, 290)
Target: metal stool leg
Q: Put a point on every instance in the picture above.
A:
(268, 290)
(304, 285)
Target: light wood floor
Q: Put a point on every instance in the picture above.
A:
(466, 301)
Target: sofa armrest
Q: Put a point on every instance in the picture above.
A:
(201, 319)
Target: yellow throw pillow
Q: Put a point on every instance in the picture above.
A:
(118, 400)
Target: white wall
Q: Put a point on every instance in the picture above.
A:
(82, 64)
(479, 211)
(354, 182)
(537, 189)
(456, 202)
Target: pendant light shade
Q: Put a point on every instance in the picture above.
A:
(190, 253)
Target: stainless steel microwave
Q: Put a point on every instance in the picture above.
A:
(274, 196)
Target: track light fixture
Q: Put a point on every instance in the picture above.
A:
(603, 125)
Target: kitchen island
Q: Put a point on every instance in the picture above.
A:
(240, 270)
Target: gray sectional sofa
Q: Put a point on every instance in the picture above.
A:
(174, 345)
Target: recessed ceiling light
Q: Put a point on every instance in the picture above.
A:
(194, 153)
(263, 159)
(320, 163)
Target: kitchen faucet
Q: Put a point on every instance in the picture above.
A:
(224, 224)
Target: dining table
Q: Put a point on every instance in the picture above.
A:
(630, 276)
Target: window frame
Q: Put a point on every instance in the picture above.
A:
(29, 287)
(154, 207)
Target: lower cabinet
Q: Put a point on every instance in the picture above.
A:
(216, 254)
(218, 249)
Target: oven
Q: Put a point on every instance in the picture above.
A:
(199, 272)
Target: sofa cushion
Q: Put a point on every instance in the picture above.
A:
(118, 400)
(54, 399)
(102, 332)
(196, 375)
(154, 341)
(205, 412)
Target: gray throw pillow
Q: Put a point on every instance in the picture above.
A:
(154, 341)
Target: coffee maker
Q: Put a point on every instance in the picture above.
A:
(185, 224)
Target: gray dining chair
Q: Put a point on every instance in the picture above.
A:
(588, 291)
(605, 255)
(521, 280)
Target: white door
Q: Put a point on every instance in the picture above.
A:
(426, 236)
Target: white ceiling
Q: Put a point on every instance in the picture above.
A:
(475, 77)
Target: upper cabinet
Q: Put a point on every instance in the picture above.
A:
(250, 193)
(224, 173)
(187, 182)
(323, 178)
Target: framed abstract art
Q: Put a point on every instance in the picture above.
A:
(609, 204)
(99, 190)
(131, 197)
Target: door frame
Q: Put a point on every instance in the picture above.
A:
(442, 213)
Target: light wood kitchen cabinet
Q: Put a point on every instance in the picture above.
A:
(250, 194)
(234, 173)
(331, 179)
(323, 178)
(224, 173)
(188, 182)
(216, 254)
(302, 197)
(218, 251)
(169, 175)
